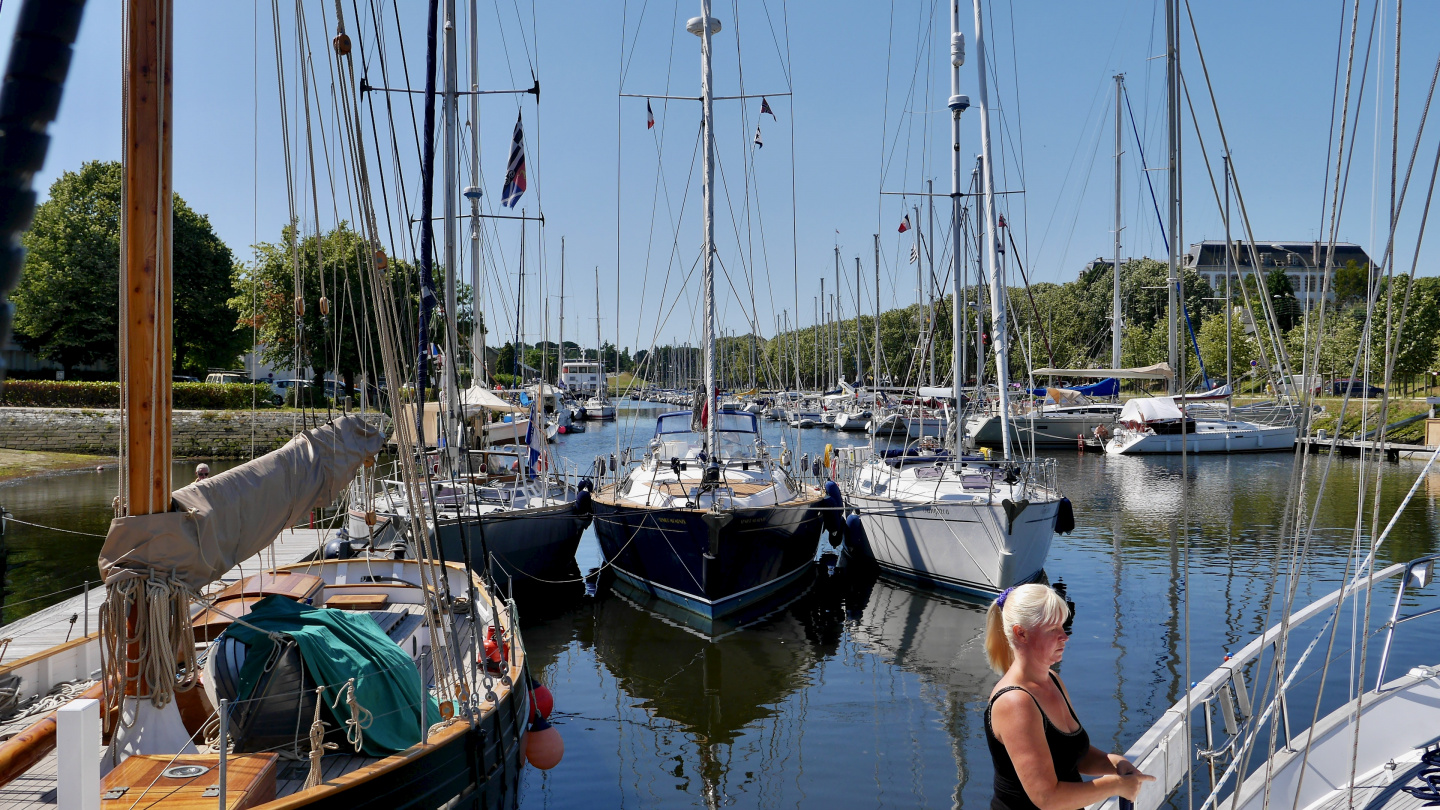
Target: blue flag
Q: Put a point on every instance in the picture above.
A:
(515, 170)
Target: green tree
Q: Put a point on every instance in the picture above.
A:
(1282, 296)
(1352, 282)
(344, 339)
(67, 304)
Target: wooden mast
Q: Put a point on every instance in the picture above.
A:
(145, 259)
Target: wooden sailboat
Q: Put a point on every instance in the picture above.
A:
(369, 665)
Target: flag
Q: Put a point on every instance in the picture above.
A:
(915, 252)
(535, 440)
(649, 115)
(515, 171)
(758, 142)
(905, 224)
(765, 108)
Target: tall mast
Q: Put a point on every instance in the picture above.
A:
(1116, 325)
(816, 315)
(859, 378)
(561, 361)
(145, 266)
(998, 328)
(452, 195)
(1172, 78)
(930, 255)
(835, 315)
(919, 293)
(957, 104)
(472, 193)
(705, 27)
(875, 364)
(600, 388)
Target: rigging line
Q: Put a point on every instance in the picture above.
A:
(626, 61)
(884, 130)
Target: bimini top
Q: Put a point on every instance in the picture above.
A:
(1150, 409)
(729, 422)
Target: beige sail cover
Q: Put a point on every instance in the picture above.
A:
(216, 523)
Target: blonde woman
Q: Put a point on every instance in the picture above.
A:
(1038, 745)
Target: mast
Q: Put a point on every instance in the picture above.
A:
(875, 364)
(930, 255)
(452, 194)
(705, 27)
(821, 377)
(1172, 78)
(998, 328)
(561, 362)
(600, 387)
(1116, 325)
(145, 260)
(472, 193)
(1229, 256)
(859, 378)
(957, 104)
(921, 342)
(835, 315)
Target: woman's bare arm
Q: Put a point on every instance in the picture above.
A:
(1020, 727)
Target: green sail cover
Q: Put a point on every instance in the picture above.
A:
(338, 645)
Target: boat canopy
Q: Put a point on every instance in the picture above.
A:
(477, 396)
(1150, 409)
(1159, 371)
(729, 422)
(1108, 387)
(217, 523)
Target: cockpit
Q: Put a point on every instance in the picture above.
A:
(736, 432)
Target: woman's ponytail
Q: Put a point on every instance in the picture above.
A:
(997, 645)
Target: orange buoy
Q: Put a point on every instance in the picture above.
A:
(342, 44)
(542, 702)
(544, 747)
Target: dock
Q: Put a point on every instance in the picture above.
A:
(1390, 451)
(79, 615)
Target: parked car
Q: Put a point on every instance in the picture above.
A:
(223, 378)
(174, 378)
(1355, 388)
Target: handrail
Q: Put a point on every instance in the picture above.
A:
(1163, 751)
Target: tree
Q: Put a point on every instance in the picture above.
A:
(1352, 282)
(67, 304)
(1282, 296)
(344, 340)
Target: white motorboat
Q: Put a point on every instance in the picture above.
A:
(852, 420)
(599, 408)
(1156, 425)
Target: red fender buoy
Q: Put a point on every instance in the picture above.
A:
(544, 747)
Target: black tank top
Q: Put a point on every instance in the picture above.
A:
(1066, 751)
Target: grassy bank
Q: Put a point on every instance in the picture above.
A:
(25, 463)
(1399, 411)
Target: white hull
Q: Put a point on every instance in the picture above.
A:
(1208, 437)
(920, 427)
(1048, 430)
(600, 412)
(852, 421)
(957, 545)
(506, 432)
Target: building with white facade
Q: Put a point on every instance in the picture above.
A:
(581, 377)
(1303, 262)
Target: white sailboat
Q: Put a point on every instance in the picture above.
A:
(928, 514)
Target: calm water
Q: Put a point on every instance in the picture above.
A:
(862, 692)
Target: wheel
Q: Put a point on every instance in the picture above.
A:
(278, 400)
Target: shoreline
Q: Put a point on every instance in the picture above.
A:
(17, 465)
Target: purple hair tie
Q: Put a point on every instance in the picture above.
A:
(1000, 600)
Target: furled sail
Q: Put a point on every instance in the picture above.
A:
(215, 524)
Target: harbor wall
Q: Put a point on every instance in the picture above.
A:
(194, 434)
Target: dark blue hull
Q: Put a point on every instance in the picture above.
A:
(676, 555)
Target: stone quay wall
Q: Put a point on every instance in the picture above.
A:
(194, 434)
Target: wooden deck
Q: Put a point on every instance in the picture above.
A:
(51, 626)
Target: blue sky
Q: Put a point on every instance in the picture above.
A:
(867, 114)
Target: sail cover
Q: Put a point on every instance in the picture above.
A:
(215, 524)
(1150, 409)
(1159, 371)
(477, 396)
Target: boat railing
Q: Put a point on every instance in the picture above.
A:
(1216, 728)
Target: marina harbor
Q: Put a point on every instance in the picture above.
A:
(377, 432)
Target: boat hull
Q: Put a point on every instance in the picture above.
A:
(666, 552)
(1050, 431)
(527, 544)
(1252, 439)
(957, 546)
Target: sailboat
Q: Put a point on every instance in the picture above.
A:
(708, 519)
(968, 524)
(357, 670)
(506, 511)
(599, 405)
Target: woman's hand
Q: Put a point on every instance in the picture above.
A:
(1130, 782)
(1122, 765)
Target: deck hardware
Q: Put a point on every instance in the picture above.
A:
(184, 771)
(212, 792)
(113, 793)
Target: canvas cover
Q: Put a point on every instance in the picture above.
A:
(337, 645)
(1065, 396)
(477, 396)
(1159, 371)
(215, 524)
(1150, 409)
